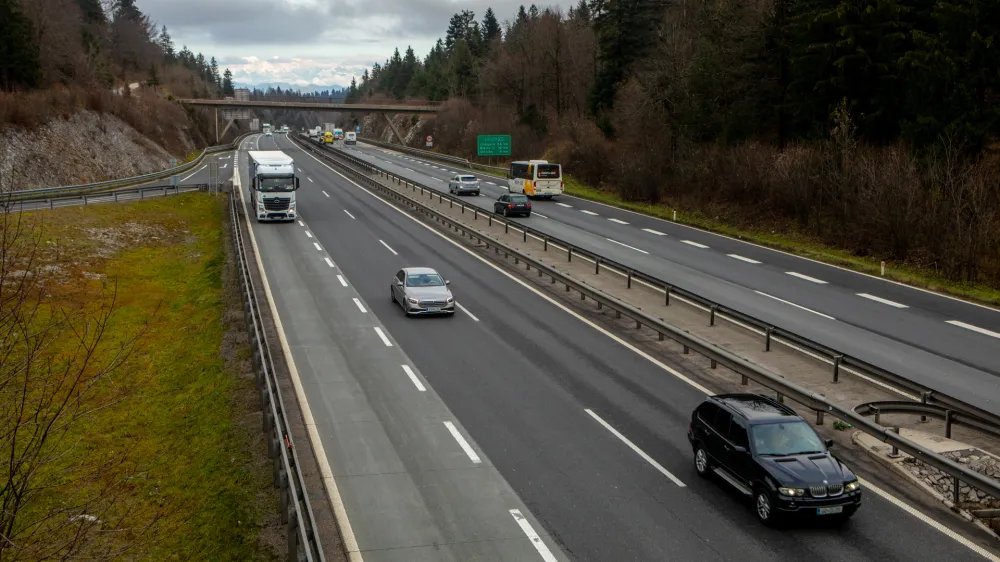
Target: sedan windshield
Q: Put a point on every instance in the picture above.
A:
(424, 280)
(518, 198)
(783, 439)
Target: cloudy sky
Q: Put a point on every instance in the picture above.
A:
(321, 42)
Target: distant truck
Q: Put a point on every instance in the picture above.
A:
(273, 185)
(329, 127)
(284, 129)
(267, 129)
(350, 137)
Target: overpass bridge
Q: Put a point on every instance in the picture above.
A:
(383, 108)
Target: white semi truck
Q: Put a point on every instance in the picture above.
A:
(272, 185)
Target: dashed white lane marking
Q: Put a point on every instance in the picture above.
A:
(881, 300)
(619, 221)
(301, 223)
(223, 167)
(318, 247)
(656, 232)
(795, 305)
(539, 545)
(342, 280)
(309, 234)
(462, 442)
(741, 258)
(299, 169)
(489, 183)
(636, 449)
(388, 248)
(325, 193)
(627, 246)
(413, 377)
(806, 277)
(349, 213)
(568, 206)
(466, 310)
(983, 331)
(695, 244)
(437, 179)
(310, 180)
(361, 307)
(329, 262)
(586, 212)
(382, 335)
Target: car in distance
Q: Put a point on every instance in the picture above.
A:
(768, 452)
(422, 290)
(510, 204)
(463, 184)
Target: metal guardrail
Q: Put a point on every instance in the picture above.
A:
(107, 186)
(950, 417)
(716, 354)
(296, 511)
(101, 197)
(840, 361)
(434, 155)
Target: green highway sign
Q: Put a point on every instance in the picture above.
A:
(493, 145)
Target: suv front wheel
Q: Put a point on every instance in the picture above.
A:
(764, 507)
(701, 463)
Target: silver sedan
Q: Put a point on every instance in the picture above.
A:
(422, 290)
(463, 184)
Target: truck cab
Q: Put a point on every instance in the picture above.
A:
(273, 184)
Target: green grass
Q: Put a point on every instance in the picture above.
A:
(794, 243)
(183, 418)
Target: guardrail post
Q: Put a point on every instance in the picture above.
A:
(451, 204)
(767, 338)
(293, 537)
(597, 266)
(711, 315)
(819, 417)
(475, 214)
(878, 414)
(956, 491)
(628, 282)
(949, 418)
(84, 199)
(506, 227)
(781, 398)
(666, 295)
(925, 397)
(686, 350)
(569, 254)
(50, 204)
(836, 367)
(524, 234)
(463, 208)
(744, 380)
(714, 364)
(116, 197)
(545, 247)
(895, 450)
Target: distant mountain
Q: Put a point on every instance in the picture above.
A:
(309, 89)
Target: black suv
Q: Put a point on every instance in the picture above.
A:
(765, 450)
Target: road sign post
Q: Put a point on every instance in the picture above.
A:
(493, 145)
(430, 141)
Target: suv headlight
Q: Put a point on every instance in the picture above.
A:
(852, 486)
(792, 492)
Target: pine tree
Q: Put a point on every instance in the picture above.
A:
(166, 44)
(128, 11)
(92, 11)
(20, 65)
(227, 83)
(154, 78)
(491, 27)
(214, 68)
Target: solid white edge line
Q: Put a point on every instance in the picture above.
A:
(983, 331)
(413, 377)
(636, 449)
(806, 277)
(466, 310)
(329, 262)
(342, 280)
(627, 246)
(361, 307)
(333, 492)
(929, 521)
(463, 443)
(656, 232)
(382, 335)
(388, 248)
(677, 374)
(741, 258)
(193, 173)
(795, 305)
(881, 300)
(349, 214)
(536, 540)
(318, 247)
(695, 244)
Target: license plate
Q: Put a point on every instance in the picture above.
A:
(829, 510)
(434, 309)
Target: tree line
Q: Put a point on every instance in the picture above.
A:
(869, 124)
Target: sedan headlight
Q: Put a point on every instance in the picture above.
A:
(412, 300)
(451, 299)
(852, 486)
(792, 492)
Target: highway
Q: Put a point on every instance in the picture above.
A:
(546, 414)
(946, 344)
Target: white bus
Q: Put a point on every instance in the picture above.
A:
(267, 129)
(535, 178)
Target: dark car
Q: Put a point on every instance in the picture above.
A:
(512, 204)
(768, 452)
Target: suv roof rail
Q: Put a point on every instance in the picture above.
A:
(747, 396)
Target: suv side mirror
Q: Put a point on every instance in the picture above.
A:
(296, 183)
(828, 443)
(740, 450)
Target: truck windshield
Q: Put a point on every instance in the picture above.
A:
(276, 184)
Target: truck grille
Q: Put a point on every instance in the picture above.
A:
(277, 203)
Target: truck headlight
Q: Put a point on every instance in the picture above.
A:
(792, 492)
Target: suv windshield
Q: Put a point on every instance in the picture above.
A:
(276, 184)
(786, 438)
(467, 178)
(424, 280)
